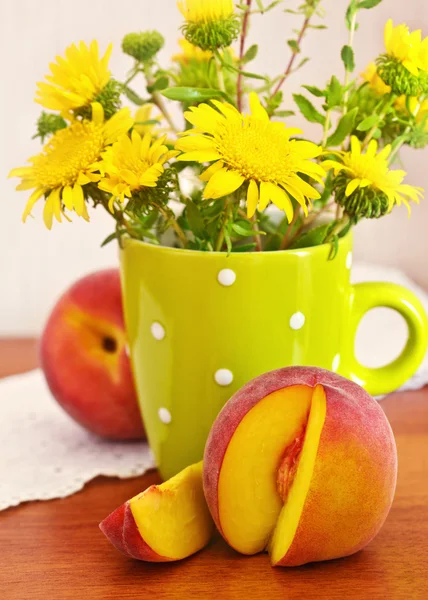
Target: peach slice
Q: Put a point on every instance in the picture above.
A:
(302, 463)
(166, 522)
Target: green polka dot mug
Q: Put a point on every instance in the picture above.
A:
(202, 324)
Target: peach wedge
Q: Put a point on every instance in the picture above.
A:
(164, 523)
(300, 462)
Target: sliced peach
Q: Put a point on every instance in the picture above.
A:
(300, 462)
(166, 522)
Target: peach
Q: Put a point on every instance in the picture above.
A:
(166, 522)
(85, 361)
(300, 462)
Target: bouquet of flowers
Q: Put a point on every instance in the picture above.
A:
(232, 144)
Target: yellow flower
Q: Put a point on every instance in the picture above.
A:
(253, 149)
(191, 53)
(369, 171)
(210, 24)
(421, 112)
(132, 164)
(407, 48)
(75, 80)
(375, 82)
(144, 114)
(68, 162)
(205, 11)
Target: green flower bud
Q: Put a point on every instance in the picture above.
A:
(48, 124)
(363, 203)
(401, 81)
(143, 46)
(109, 98)
(212, 35)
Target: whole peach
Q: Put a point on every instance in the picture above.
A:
(85, 359)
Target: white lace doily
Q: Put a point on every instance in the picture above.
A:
(46, 455)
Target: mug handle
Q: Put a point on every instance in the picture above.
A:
(383, 380)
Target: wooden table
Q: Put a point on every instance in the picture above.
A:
(54, 550)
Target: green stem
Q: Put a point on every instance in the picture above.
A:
(387, 105)
(219, 69)
(244, 32)
(180, 233)
(341, 224)
(157, 98)
(286, 239)
(293, 56)
(347, 71)
(326, 128)
(134, 73)
(257, 236)
(403, 137)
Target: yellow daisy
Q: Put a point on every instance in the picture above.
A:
(369, 170)
(206, 11)
(191, 53)
(144, 114)
(68, 162)
(132, 164)
(407, 48)
(75, 80)
(376, 84)
(251, 148)
(401, 105)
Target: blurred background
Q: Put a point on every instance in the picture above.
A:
(36, 264)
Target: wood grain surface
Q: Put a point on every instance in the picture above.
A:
(54, 550)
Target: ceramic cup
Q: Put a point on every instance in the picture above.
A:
(202, 324)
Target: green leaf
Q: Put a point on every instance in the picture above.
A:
(347, 55)
(113, 236)
(308, 110)
(351, 11)
(245, 73)
(284, 113)
(343, 129)
(315, 91)
(368, 3)
(334, 93)
(260, 5)
(368, 123)
(294, 46)
(244, 229)
(158, 85)
(244, 247)
(194, 218)
(313, 237)
(334, 248)
(250, 54)
(133, 96)
(192, 95)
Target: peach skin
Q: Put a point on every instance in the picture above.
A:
(164, 523)
(85, 360)
(302, 463)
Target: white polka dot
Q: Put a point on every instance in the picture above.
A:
(226, 277)
(223, 377)
(297, 320)
(158, 332)
(164, 415)
(349, 260)
(127, 352)
(336, 362)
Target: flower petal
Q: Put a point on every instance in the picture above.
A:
(252, 198)
(223, 183)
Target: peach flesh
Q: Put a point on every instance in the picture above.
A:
(166, 522)
(338, 491)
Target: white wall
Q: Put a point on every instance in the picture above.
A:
(35, 264)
